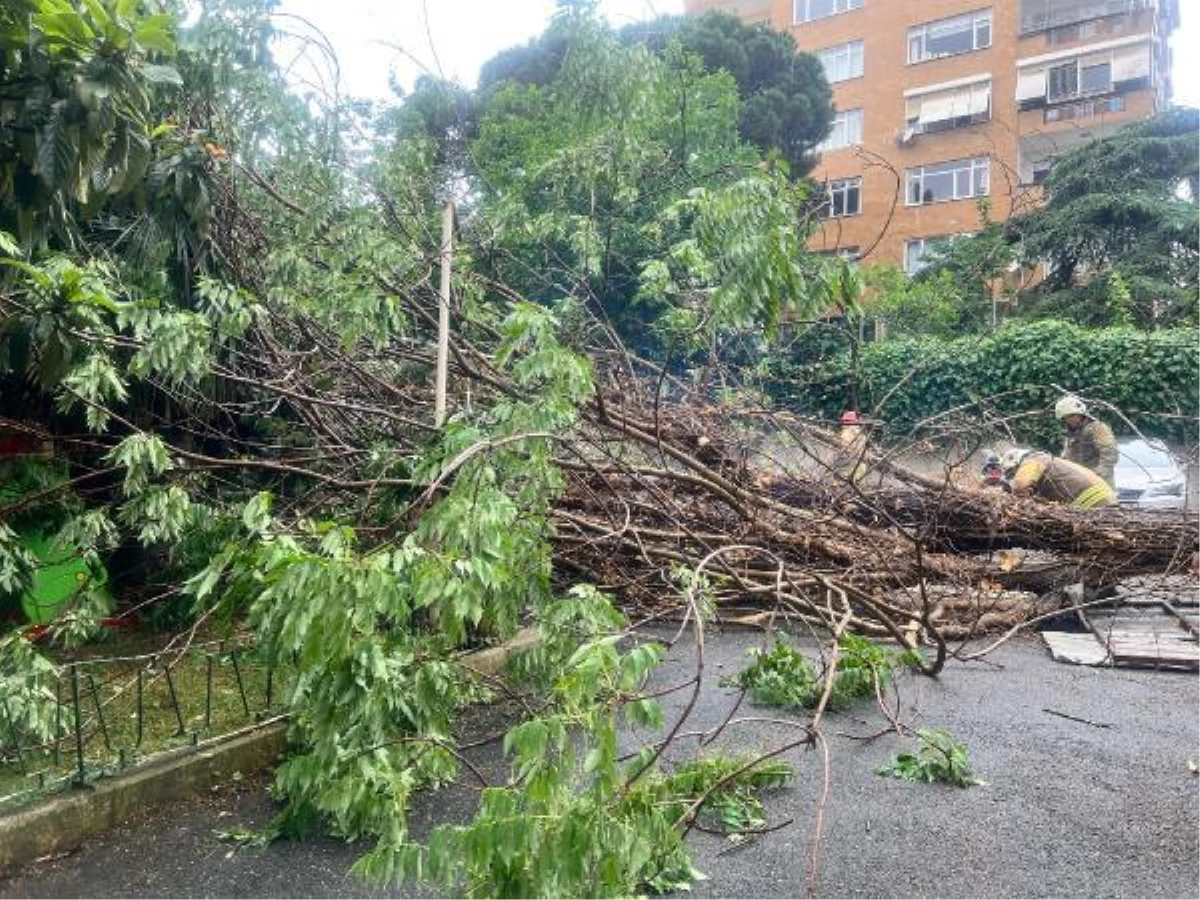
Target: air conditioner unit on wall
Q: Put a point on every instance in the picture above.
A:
(905, 136)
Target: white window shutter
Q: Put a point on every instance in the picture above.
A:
(1131, 62)
(937, 108)
(1031, 84)
(977, 100)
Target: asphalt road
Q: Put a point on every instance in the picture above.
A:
(1089, 794)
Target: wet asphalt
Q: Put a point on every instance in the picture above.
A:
(1089, 794)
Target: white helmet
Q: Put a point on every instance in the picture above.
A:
(1069, 406)
(1010, 459)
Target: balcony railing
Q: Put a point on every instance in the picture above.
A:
(1084, 109)
(1042, 15)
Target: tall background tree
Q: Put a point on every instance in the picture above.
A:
(1119, 232)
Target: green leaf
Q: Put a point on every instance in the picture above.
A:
(154, 32)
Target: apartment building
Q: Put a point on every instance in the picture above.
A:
(942, 104)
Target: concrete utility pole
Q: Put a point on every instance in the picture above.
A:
(443, 346)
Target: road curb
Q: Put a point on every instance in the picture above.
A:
(61, 823)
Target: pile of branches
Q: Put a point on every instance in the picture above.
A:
(760, 499)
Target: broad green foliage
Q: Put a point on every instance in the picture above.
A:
(783, 677)
(192, 279)
(940, 758)
(615, 173)
(16, 564)
(864, 668)
(27, 709)
(932, 305)
(785, 106)
(372, 629)
(740, 262)
(77, 81)
(1152, 378)
(577, 820)
(957, 292)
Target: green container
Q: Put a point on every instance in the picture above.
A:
(62, 573)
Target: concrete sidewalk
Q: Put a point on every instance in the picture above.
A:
(1089, 794)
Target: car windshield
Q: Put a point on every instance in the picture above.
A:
(1144, 455)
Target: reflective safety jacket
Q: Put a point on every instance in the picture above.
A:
(1061, 481)
(1092, 445)
(850, 461)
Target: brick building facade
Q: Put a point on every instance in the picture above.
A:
(943, 103)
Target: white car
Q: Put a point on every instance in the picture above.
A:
(1147, 476)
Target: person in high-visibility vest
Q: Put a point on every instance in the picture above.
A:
(1039, 474)
(1086, 440)
(852, 436)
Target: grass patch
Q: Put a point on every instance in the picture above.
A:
(134, 701)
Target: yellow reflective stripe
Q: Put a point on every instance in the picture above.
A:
(1096, 495)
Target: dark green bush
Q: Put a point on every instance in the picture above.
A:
(1153, 378)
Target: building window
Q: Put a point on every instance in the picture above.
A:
(1062, 81)
(914, 254)
(939, 110)
(1042, 15)
(807, 10)
(845, 197)
(1110, 69)
(1076, 80)
(847, 131)
(919, 251)
(842, 62)
(949, 37)
(1095, 79)
(959, 179)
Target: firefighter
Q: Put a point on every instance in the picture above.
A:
(1086, 440)
(852, 436)
(992, 472)
(1039, 474)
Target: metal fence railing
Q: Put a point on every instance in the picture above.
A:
(111, 712)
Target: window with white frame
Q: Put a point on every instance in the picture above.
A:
(846, 132)
(1077, 79)
(842, 62)
(807, 10)
(914, 254)
(1066, 77)
(949, 37)
(918, 252)
(958, 179)
(845, 197)
(951, 107)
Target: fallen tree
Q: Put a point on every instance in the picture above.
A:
(256, 423)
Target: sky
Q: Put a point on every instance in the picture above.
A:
(452, 38)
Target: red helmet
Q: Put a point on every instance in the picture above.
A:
(849, 417)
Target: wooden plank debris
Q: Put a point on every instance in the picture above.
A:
(1075, 648)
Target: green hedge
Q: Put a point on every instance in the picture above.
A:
(1153, 378)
